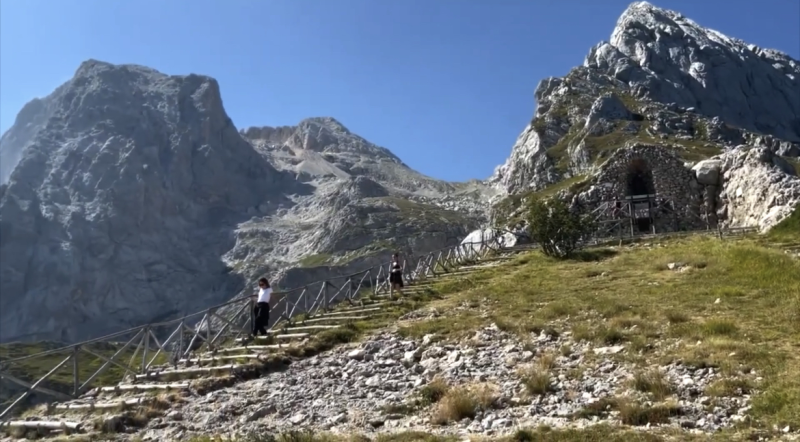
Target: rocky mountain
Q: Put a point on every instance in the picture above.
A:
(129, 196)
(661, 80)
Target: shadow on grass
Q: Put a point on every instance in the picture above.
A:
(593, 255)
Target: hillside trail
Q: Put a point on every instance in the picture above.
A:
(138, 398)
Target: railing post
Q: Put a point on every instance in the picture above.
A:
(391, 285)
(75, 379)
(145, 347)
(325, 295)
(209, 315)
(180, 342)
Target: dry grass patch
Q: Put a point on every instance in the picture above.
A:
(677, 317)
(652, 382)
(434, 391)
(463, 402)
(729, 387)
(636, 414)
(546, 361)
(536, 381)
(599, 408)
(537, 377)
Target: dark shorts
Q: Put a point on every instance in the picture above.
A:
(396, 278)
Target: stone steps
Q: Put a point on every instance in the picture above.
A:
(225, 358)
(121, 388)
(317, 319)
(379, 303)
(303, 328)
(333, 314)
(190, 373)
(91, 406)
(249, 348)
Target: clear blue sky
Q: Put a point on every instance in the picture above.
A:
(445, 84)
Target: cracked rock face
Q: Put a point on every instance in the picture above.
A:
(660, 79)
(129, 197)
(669, 58)
(755, 188)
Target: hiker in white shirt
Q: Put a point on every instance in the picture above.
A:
(261, 310)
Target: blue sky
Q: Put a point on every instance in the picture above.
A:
(447, 85)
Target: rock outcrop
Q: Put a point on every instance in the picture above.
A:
(136, 199)
(664, 80)
(756, 187)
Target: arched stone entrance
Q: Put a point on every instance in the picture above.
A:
(640, 178)
(640, 193)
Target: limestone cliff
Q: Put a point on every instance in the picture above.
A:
(663, 80)
(661, 77)
(129, 196)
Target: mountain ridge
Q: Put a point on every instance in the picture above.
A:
(132, 183)
(671, 72)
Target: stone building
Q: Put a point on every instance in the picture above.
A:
(644, 188)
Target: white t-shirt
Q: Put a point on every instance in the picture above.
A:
(264, 294)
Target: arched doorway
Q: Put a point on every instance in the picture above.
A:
(640, 178)
(640, 190)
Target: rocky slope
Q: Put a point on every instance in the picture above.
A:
(365, 201)
(135, 199)
(661, 79)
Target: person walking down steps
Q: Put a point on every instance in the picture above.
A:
(261, 310)
(396, 275)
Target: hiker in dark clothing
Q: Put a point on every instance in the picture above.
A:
(396, 275)
(261, 310)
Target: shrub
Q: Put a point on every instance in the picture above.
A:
(558, 231)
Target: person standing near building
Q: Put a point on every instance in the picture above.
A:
(261, 309)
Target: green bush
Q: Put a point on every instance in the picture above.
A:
(558, 231)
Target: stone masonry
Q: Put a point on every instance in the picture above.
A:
(678, 202)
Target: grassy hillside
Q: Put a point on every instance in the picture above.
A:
(729, 304)
(733, 305)
(788, 231)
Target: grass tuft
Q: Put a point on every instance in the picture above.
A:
(653, 382)
(463, 402)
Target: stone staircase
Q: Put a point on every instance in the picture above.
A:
(140, 397)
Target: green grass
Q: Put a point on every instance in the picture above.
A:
(316, 260)
(787, 230)
(323, 259)
(414, 210)
(755, 325)
(30, 370)
(506, 206)
(794, 162)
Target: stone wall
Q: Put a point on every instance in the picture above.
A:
(679, 201)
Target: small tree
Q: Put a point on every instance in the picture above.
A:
(557, 230)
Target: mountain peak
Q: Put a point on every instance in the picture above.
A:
(659, 75)
(329, 123)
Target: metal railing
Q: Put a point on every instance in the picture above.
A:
(212, 327)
